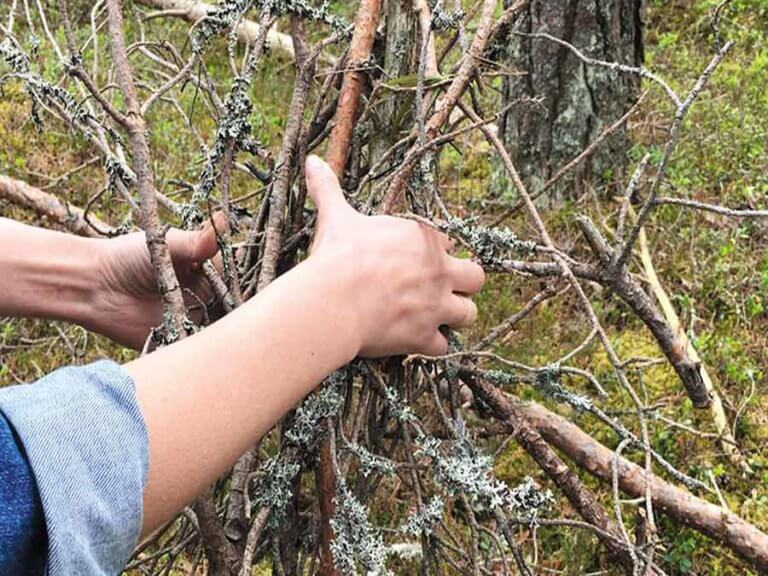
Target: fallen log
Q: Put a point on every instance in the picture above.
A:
(732, 531)
(71, 217)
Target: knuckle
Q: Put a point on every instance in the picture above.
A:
(437, 346)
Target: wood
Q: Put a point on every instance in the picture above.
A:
(632, 293)
(273, 243)
(167, 283)
(720, 420)
(564, 104)
(446, 104)
(352, 85)
(48, 205)
(217, 548)
(745, 539)
(247, 31)
(580, 497)
(223, 558)
(338, 149)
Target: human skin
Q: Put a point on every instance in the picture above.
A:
(107, 286)
(372, 286)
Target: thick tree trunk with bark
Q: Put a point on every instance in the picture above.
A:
(575, 102)
(395, 112)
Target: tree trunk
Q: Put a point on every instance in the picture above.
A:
(400, 55)
(576, 101)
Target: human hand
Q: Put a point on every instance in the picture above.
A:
(127, 304)
(402, 282)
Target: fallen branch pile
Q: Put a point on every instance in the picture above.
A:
(381, 104)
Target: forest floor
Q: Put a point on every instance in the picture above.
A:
(714, 268)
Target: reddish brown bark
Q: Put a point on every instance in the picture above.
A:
(353, 84)
(336, 156)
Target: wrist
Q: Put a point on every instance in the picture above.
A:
(51, 275)
(340, 289)
(92, 288)
(322, 295)
(74, 277)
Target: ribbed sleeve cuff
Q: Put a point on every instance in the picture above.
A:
(87, 443)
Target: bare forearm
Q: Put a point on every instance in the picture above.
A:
(372, 286)
(45, 274)
(208, 398)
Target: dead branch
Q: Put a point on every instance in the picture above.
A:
(446, 104)
(746, 540)
(630, 291)
(568, 274)
(714, 208)
(273, 241)
(720, 420)
(353, 84)
(193, 11)
(168, 284)
(582, 499)
(48, 205)
(352, 87)
(177, 322)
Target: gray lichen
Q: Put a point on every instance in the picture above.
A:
(14, 58)
(548, 381)
(116, 172)
(234, 127)
(491, 245)
(444, 20)
(465, 470)
(222, 18)
(228, 12)
(307, 427)
(399, 409)
(368, 461)
(424, 521)
(307, 11)
(356, 541)
(275, 476)
(39, 90)
(273, 481)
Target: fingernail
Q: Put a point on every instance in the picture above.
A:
(313, 163)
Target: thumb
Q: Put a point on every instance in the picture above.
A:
(197, 245)
(323, 186)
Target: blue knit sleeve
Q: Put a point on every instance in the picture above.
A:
(87, 444)
(22, 529)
